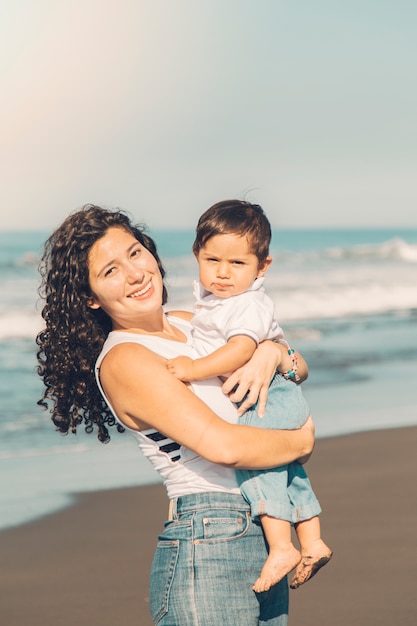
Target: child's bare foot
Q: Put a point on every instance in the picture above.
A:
(278, 564)
(312, 560)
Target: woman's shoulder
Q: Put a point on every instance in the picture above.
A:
(161, 346)
(180, 315)
(117, 338)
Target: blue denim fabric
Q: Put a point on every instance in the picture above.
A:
(286, 407)
(205, 564)
(284, 492)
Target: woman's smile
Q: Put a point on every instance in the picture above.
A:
(141, 292)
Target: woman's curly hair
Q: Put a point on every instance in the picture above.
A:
(74, 333)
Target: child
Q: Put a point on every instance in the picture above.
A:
(232, 315)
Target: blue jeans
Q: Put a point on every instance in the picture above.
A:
(283, 492)
(205, 564)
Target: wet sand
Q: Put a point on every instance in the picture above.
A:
(89, 564)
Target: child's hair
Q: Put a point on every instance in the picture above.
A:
(235, 217)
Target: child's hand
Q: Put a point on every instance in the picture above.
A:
(181, 367)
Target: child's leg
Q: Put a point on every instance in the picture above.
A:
(267, 491)
(314, 552)
(282, 557)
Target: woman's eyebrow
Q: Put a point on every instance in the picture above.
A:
(113, 261)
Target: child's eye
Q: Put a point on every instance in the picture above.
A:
(136, 251)
(110, 271)
(238, 263)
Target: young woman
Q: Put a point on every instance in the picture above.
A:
(104, 294)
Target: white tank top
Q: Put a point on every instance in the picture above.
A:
(182, 470)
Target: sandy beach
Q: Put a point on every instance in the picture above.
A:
(89, 564)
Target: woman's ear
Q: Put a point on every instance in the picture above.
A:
(264, 266)
(93, 304)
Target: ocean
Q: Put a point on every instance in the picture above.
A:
(347, 299)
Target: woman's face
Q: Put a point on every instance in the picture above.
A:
(124, 279)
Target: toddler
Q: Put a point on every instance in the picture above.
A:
(232, 315)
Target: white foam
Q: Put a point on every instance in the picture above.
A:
(15, 324)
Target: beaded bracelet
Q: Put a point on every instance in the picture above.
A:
(291, 374)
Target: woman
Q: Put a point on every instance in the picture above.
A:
(104, 291)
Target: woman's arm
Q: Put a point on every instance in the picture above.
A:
(254, 377)
(144, 394)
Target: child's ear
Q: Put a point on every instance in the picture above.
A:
(263, 267)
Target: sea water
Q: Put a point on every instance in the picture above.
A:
(347, 299)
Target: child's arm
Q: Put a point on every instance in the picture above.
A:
(235, 353)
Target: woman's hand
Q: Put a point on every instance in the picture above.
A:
(308, 428)
(253, 379)
(251, 382)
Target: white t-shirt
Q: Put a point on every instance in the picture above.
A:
(216, 320)
(182, 470)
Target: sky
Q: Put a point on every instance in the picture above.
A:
(164, 107)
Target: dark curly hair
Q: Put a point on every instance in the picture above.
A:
(74, 334)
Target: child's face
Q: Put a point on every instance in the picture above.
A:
(227, 267)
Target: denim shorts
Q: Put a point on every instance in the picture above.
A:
(205, 564)
(284, 492)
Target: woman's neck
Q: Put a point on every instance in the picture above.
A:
(158, 326)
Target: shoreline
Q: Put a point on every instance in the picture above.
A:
(89, 563)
